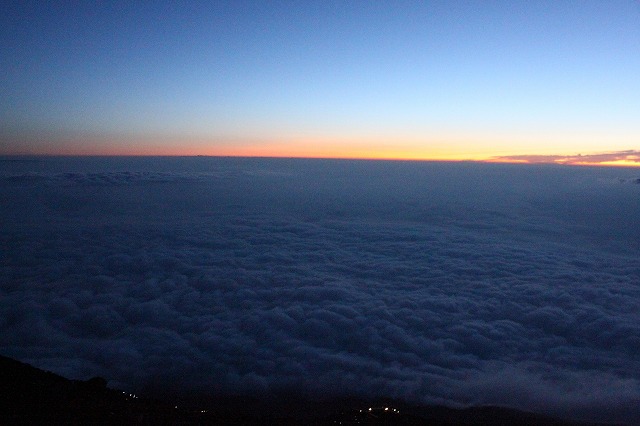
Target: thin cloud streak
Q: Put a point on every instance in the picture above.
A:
(624, 158)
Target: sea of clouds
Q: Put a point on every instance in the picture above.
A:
(453, 283)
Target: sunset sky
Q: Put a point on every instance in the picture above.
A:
(148, 237)
(539, 81)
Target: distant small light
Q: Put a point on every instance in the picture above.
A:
(369, 408)
(386, 408)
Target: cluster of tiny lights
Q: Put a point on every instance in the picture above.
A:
(383, 409)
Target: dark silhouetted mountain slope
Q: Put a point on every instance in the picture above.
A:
(29, 395)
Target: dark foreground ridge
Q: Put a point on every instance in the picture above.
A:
(29, 395)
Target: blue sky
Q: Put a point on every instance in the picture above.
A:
(427, 79)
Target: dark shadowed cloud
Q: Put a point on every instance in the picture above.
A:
(448, 283)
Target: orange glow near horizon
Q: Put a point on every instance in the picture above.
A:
(340, 150)
(313, 147)
(373, 149)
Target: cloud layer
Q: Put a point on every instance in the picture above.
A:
(447, 283)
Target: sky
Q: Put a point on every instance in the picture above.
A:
(502, 80)
(461, 283)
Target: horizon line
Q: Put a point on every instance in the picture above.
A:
(554, 160)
